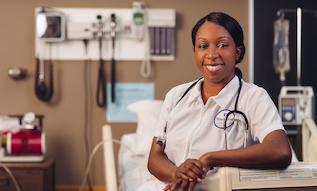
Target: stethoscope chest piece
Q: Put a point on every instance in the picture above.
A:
(161, 141)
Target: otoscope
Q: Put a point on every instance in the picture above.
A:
(101, 101)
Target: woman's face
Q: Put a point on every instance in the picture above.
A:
(216, 53)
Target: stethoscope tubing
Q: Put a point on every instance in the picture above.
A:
(239, 112)
(246, 129)
(43, 92)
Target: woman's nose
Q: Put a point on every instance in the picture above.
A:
(212, 53)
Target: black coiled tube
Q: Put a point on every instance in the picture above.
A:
(41, 89)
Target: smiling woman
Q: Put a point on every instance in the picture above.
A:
(216, 54)
(216, 51)
(195, 141)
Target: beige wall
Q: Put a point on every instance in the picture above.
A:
(64, 115)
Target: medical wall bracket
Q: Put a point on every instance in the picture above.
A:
(80, 24)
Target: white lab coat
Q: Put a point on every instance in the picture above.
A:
(194, 129)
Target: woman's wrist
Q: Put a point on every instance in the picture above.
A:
(206, 159)
(173, 175)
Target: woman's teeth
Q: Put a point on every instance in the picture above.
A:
(213, 68)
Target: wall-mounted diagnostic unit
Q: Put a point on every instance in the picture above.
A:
(116, 34)
(137, 29)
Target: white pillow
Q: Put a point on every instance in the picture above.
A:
(148, 112)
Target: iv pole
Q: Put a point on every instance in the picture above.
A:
(299, 59)
(299, 45)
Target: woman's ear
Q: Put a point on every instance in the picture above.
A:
(239, 50)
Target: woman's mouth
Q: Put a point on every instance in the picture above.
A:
(213, 67)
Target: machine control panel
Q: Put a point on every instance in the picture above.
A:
(288, 110)
(296, 103)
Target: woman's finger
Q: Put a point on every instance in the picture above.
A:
(184, 185)
(191, 170)
(173, 186)
(191, 186)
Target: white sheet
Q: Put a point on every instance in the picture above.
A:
(132, 170)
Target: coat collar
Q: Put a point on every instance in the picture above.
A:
(224, 97)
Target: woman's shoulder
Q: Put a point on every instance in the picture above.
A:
(252, 91)
(252, 88)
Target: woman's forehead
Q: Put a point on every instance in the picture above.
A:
(210, 29)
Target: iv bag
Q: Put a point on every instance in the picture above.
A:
(281, 60)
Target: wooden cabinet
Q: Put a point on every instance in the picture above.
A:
(30, 176)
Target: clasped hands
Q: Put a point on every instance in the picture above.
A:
(187, 175)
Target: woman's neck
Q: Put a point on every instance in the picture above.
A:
(209, 89)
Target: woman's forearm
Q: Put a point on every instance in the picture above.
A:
(274, 152)
(159, 165)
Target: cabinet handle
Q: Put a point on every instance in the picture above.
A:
(4, 181)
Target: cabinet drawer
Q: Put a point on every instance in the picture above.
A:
(30, 177)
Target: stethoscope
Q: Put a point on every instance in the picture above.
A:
(162, 139)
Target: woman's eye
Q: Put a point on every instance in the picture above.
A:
(202, 46)
(222, 45)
